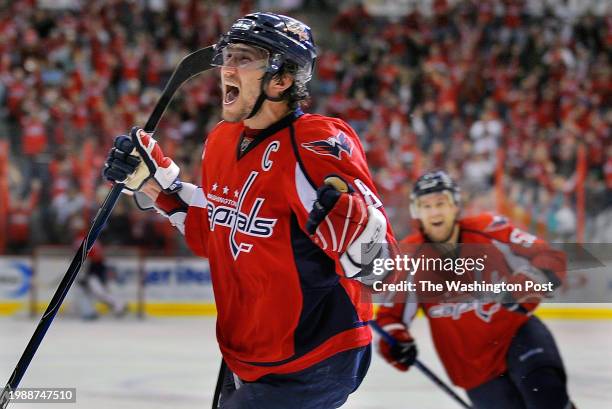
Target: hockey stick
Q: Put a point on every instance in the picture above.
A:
(426, 371)
(219, 386)
(189, 66)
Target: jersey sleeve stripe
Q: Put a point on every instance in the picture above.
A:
(298, 158)
(305, 191)
(410, 309)
(515, 262)
(198, 199)
(363, 214)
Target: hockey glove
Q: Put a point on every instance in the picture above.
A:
(136, 158)
(526, 300)
(173, 206)
(401, 355)
(340, 222)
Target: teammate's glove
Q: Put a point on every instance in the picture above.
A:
(340, 222)
(136, 158)
(401, 355)
(525, 301)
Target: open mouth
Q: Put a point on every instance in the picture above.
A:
(231, 94)
(437, 224)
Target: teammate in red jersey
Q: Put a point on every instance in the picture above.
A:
(504, 357)
(282, 235)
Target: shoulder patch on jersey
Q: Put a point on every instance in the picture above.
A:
(497, 223)
(332, 146)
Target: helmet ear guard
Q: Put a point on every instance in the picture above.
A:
(275, 62)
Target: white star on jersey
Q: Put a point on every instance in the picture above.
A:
(225, 190)
(214, 186)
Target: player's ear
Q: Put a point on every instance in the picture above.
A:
(279, 84)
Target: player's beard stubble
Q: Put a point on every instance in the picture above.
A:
(238, 112)
(240, 109)
(444, 236)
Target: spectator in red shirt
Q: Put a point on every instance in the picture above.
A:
(34, 138)
(328, 68)
(20, 214)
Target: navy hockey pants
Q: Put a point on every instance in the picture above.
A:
(325, 385)
(535, 378)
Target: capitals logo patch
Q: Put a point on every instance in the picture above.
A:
(497, 223)
(332, 146)
(299, 29)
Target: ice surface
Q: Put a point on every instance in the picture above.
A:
(173, 363)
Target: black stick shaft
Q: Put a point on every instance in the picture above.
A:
(423, 368)
(219, 385)
(60, 293)
(189, 66)
(434, 378)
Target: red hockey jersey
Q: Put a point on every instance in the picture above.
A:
(472, 338)
(283, 303)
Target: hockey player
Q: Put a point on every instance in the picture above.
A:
(284, 243)
(503, 357)
(95, 279)
(94, 285)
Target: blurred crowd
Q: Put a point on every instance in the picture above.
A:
(482, 88)
(514, 103)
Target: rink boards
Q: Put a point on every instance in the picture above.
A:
(164, 286)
